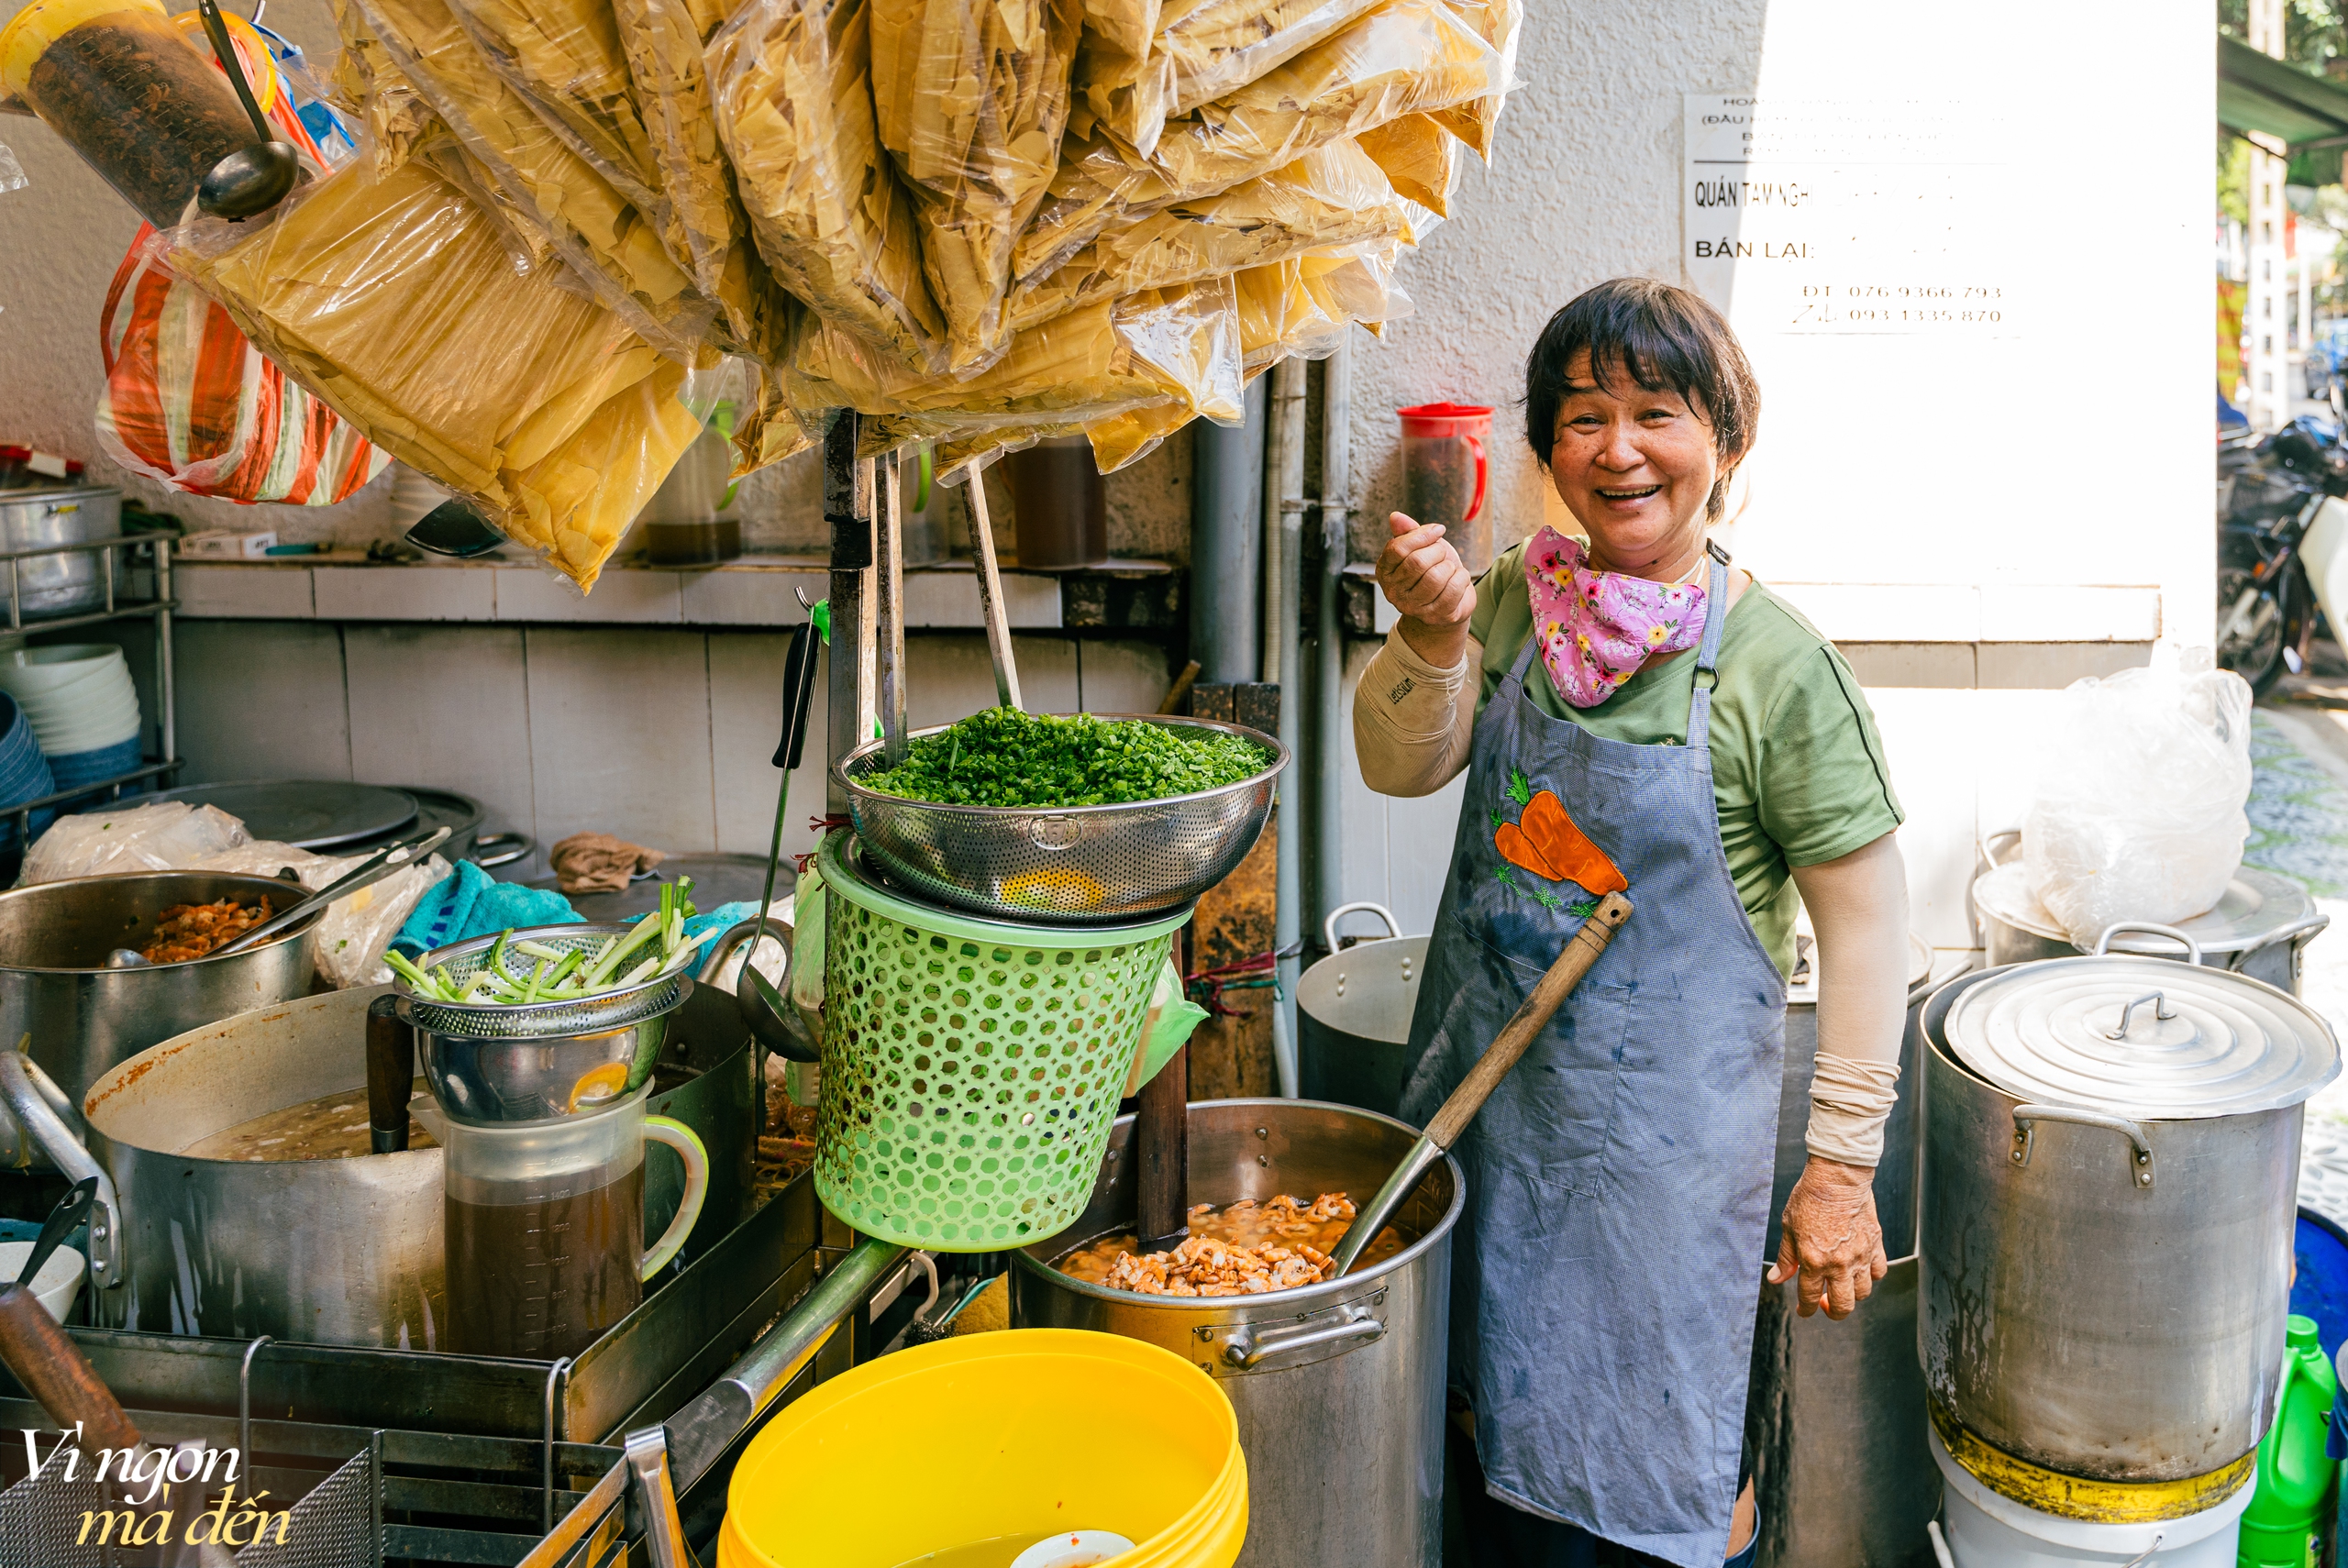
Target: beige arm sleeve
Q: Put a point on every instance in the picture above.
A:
(1859, 908)
(1412, 722)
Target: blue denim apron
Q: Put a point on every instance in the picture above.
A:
(1604, 1276)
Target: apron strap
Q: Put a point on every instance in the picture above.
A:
(1708, 657)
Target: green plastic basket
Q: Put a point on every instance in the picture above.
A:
(971, 1067)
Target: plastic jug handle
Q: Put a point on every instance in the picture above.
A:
(1476, 507)
(688, 1145)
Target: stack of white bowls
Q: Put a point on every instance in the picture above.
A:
(81, 705)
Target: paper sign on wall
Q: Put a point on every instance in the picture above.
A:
(1823, 216)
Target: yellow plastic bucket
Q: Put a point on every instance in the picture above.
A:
(1007, 1437)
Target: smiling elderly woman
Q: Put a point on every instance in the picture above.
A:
(1634, 712)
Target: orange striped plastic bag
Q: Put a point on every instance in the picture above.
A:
(189, 402)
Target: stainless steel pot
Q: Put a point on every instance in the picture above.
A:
(1353, 1013)
(1338, 1387)
(2107, 1227)
(340, 1251)
(71, 514)
(2260, 928)
(84, 1018)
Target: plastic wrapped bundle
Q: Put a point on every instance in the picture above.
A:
(1128, 25)
(596, 230)
(1498, 22)
(1203, 51)
(366, 85)
(1420, 159)
(791, 82)
(1336, 196)
(1158, 344)
(662, 40)
(1406, 57)
(564, 57)
(970, 97)
(391, 298)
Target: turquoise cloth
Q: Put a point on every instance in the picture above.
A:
(471, 903)
(723, 917)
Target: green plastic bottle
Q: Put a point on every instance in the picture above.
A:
(2283, 1526)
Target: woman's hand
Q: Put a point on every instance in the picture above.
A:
(1831, 1238)
(1430, 586)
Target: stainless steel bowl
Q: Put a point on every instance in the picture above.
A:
(1068, 864)
(498, 1065)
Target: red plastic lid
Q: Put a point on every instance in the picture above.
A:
(16, 453)
(1445, 411)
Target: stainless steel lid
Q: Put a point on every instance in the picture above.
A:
(1802, 990)
(2257, 907)
(2146, 1038)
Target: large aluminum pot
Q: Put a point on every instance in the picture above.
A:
(1339, 1387)
(1353, 1011)
(342, 1251)
(2260, 928)
(69, 515)
(2104, 1287)
(84, 1018)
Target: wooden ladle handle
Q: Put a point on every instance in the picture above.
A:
(53, 1370)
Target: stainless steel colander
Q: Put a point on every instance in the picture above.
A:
(1068, 865)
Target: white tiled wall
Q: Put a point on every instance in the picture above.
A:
(660, 734)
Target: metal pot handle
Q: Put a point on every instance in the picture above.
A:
(2026, 1117)
(22, 1093)
(1329, 926)
(2103, 942)
(504, 849)
(1247, 1348)
(2299, 933)
(1990, 842)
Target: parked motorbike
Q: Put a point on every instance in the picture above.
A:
(2282, 547)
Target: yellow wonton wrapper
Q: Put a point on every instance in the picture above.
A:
(1406, 57)
(1204, 50)
(1498, 23)
(1420, 157)
(391, 298)
(604, 239)
(790, 83)
(970, 98)
(1336, 196)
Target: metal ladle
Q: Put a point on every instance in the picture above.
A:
(251, 180)
(770, 1016)
(455, 528)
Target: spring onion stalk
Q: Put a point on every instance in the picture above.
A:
(655, 947)
(642, 972)
(644, 930)
(406, 971)
(539, 950)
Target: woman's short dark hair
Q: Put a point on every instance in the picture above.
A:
(1656, 335)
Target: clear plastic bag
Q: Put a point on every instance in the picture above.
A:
(367, 85)
(1207, 50)
(564, 57)
(357, 929)
(607, 240)
(2139, 812)
(1498, 23)
(1106, 357)
(970, 98)
(1406, 57)
(189, 403)
(791, 83)
(1127, 25)
(1334, 196)
(161, 836)
(1420, 158)
(391, 298)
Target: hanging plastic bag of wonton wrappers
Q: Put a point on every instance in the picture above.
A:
(392, 297)
(790, 83)
(1475, 121)
(970, 97)
(1336, 196)
(1203, 49)
(1405, 57)
(607, 240)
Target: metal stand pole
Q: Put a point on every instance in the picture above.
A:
(848, 507)
(888, 618)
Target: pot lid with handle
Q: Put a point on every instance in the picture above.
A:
(2257, 907)
(2145, 1038)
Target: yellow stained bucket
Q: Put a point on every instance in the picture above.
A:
(982, 1445)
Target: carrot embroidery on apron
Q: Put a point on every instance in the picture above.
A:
(1545, 840)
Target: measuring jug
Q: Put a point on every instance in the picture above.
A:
(545, 1225)
(1445, 474)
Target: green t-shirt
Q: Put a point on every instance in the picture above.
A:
(1797, 767)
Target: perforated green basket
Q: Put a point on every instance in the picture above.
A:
(971, 1067)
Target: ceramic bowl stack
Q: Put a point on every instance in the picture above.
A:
(81, 705)
(23, 772)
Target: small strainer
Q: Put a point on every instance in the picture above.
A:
(491, 1020)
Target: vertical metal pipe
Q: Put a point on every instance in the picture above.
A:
(1329, 686)
(166, 692)
(1227, 542)
(1283, 578)
(889, 612)
(848, 507)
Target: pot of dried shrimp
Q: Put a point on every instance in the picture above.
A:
(1342, 1378)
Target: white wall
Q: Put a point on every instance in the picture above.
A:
(1979, 507)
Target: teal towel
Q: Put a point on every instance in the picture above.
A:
(471, 903)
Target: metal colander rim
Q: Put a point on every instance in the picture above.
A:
(861, 759)
(599, 1014)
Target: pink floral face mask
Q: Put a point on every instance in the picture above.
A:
(1597, 627)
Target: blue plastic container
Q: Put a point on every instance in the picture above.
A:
(2320, 1290)
(79, 767)
(23, 772)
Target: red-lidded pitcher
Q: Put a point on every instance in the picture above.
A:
(1445, 474)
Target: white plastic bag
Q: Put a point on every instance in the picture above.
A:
(357, 929)
(163, 836)
(2139, 814)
